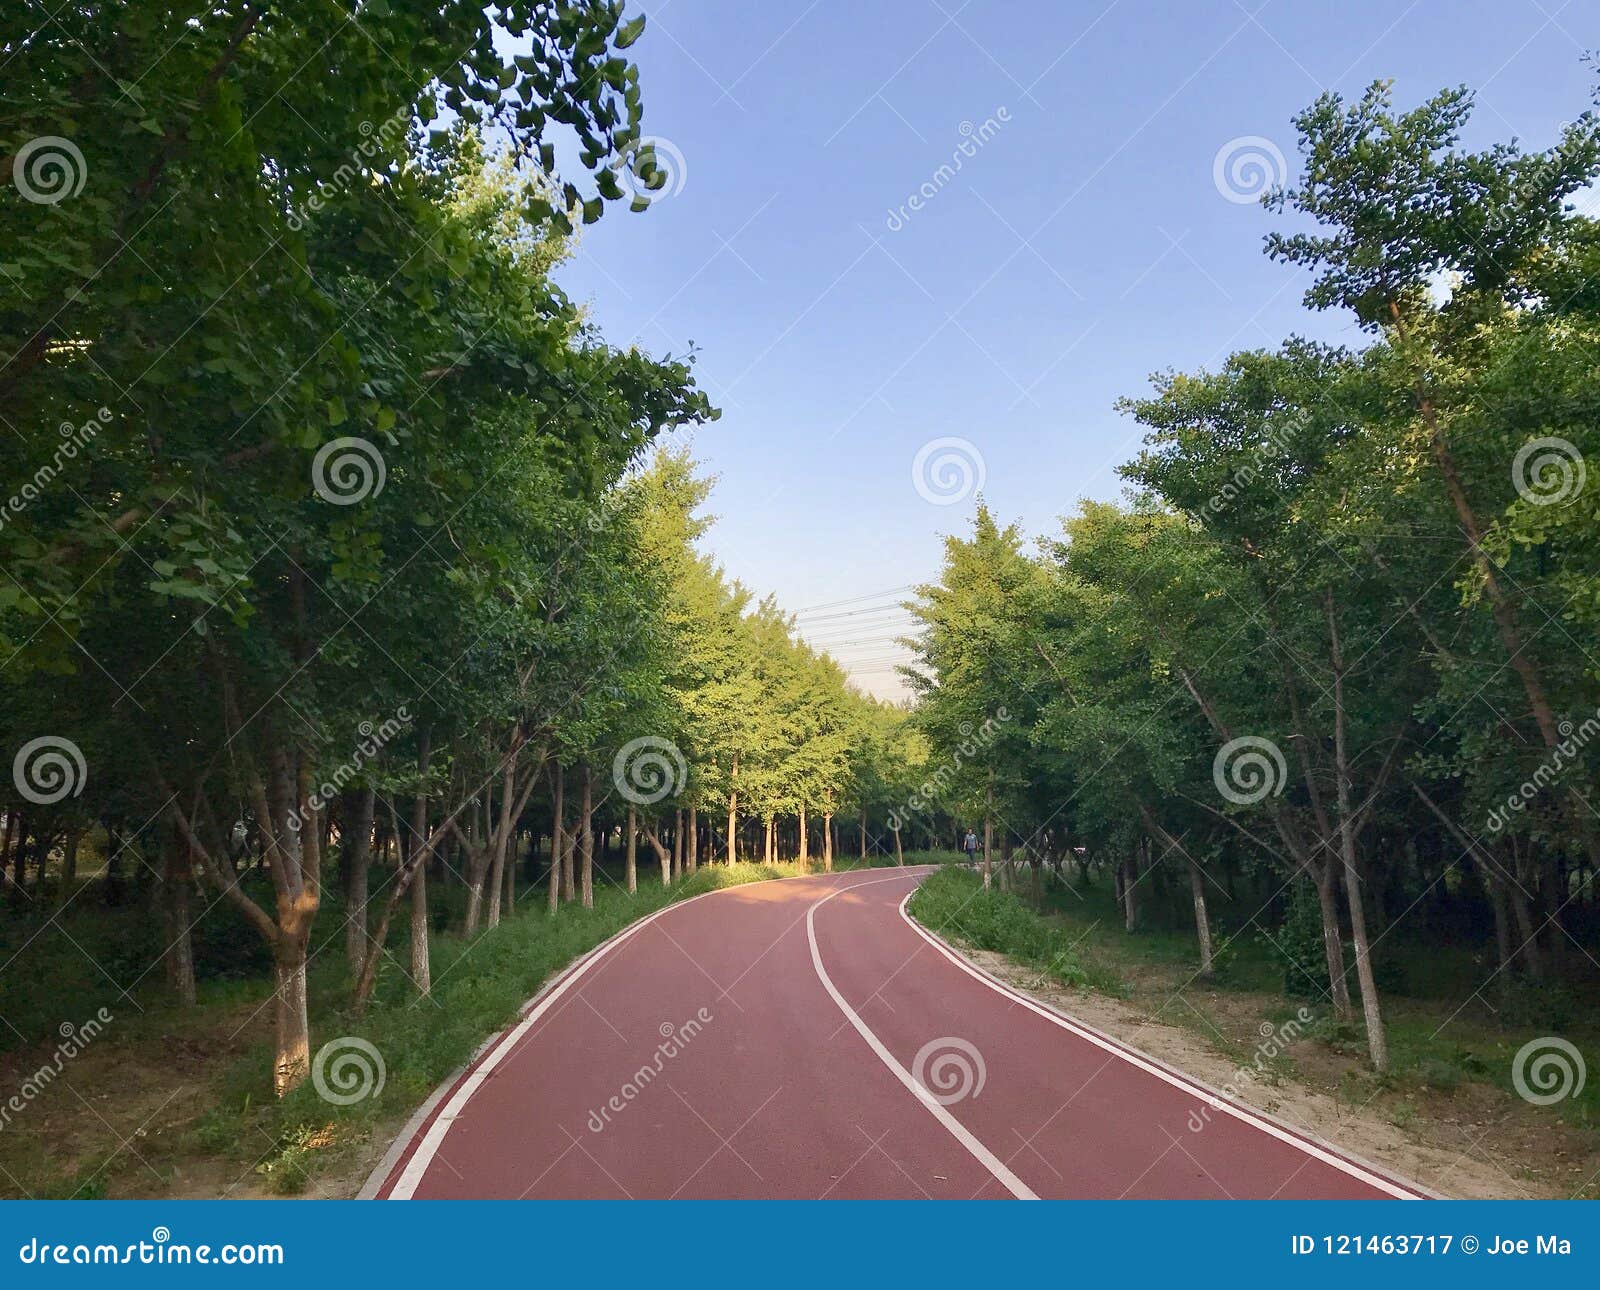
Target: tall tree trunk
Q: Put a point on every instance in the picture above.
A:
(476, 869)
(421, 966)
(632, 854)
(1202, 923)
(294, 920)
(692, 844)
(1377, 1043)
(1332, 940)
(1197, 887)
(293, 1032)
(827, 842)
(558, 828)
(569, 874)
(804, 858)
(863, 835)
(473, 863)
(1505, 890)
(1130, 891)
(1522, 663)
(286, 796)
(1527, 933)
(899, 855)
(501, 838)
(1502, 928)
(19, 853)
(586, 834)
(988, 847)
(69, 865)
(733, 811)
(663, 856)
(359, 809)
(677, 844)
(176, 880)
(1305, 858)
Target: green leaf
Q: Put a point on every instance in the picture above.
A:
(630, 32)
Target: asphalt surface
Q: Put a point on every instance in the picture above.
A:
(803, 1038)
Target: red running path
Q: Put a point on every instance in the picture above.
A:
(803, 1038)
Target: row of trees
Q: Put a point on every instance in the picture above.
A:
(1340, 640)
(774, 739)
(329, 541)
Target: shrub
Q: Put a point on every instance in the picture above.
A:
(1440, 1073)
(1538, 1005)
(954, 902)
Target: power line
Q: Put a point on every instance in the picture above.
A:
(886, 660)
(856, 600)
(871, 647)
(855, 613)
(884, 633)
(865, 615)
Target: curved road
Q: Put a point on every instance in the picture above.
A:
(803, 1038)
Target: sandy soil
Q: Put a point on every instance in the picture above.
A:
(122, 1114)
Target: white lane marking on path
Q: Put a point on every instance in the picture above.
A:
(1193, 1087)
(956, 1129)
(417, 1165)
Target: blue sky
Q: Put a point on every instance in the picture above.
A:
(1083, 242)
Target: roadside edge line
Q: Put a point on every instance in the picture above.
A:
(1365, 1171)
(467, 1078)
(953, 1126)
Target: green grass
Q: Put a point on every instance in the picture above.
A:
(954, 903)
(1245, 961)
(845, 863)
(1439, 1038)
(478, 987)
(1077, 939)
(929, 857)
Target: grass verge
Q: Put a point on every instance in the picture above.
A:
(1451, 1090)
(1443, 1034)
(175, 1101)
(478, 987)
(954, 903)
